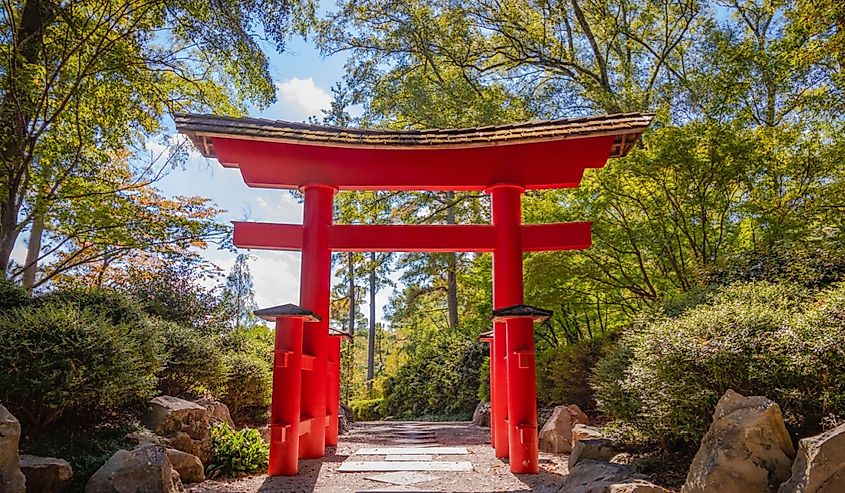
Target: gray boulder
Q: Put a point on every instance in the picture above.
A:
(595, 476)
(145, 469)
(184, 424)
(596, 449)
(820, 464)
(556, 434)
(11, 478)
(188, 466)
(746, 450)
(481, 416)
(217, 411)
(584, 432)
(46, 474)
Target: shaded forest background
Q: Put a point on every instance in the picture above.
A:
(718, 243)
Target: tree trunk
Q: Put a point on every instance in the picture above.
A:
(371, 346)
(452, 270)
(16, 112)
(33, 250)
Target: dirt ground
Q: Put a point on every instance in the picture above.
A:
(488, 474)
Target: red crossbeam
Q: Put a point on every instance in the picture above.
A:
(413, 238)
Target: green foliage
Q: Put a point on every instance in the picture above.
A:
(484, 381)
(11, 295)
(563, 374)
(441, 378)
(194, 362)
(236, 453)
(249, 384)
(757, 339)
(72, 362)
(813, 264)
(368, 409)
(175, 292)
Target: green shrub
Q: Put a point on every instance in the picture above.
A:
(236, 453)
(484, 381)
(249, 384)
(63, 361)
(11, 295)
(563, 374)
(440, 379)
(757, 339)
(194, 361)
(368, 409)
(112, 305)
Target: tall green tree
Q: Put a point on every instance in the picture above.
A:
(85, 84)
(238, 292)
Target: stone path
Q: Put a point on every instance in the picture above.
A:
(405, 457)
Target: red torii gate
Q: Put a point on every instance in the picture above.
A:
(503, 161)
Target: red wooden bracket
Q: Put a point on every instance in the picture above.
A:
(278, 432)
(527, 433)
(282, 359)
(305, 426)
(526, 358)
(308, 362)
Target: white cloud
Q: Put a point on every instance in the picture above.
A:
(299, 99)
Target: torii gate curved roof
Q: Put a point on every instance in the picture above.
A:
(535, 155)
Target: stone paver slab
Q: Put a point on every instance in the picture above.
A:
(385, 466)
(402, 478)
(412, 458)
(412, 451)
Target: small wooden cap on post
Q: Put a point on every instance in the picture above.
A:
(539, 315)
(340, 333)
(287, 310)
(486, 336)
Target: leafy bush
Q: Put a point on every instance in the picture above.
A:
(249, 384)
(236, 453)
(757, 339)
(368, 409)
(194, 361)
(441, 379)
(11, 295)
(112, 305)
(484, 381)
(563, 374)
(69, 361)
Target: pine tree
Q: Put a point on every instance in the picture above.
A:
(238, 293)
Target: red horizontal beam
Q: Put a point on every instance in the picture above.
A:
(413, 238)
(536, 165)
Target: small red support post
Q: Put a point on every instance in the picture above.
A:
(287, 386)
(314, 292)
(487, 337)
(333, 396)
(522, 385)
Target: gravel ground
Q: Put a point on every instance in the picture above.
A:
(489, 473)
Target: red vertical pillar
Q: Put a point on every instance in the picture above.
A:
(333, 395)
(489, 341)
(518, 334)
(314, 291)
(287, 386)
(287, 389)
(499, 400)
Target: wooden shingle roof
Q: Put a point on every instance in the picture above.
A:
(201, 129)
